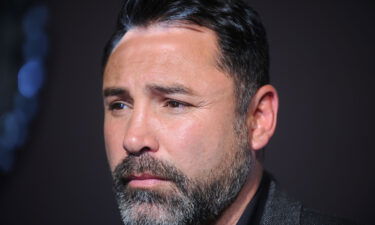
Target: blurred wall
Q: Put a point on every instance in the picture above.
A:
(322, 153)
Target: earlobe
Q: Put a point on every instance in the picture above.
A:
(262, 116)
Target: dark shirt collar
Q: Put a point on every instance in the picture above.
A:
(254, 209)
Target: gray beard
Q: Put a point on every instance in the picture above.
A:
(187, 201)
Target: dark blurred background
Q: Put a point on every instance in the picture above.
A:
(56, 172)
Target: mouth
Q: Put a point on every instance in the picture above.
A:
(144, 180)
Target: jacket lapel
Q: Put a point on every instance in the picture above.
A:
(280, 209)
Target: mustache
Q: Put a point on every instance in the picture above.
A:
(145, 163)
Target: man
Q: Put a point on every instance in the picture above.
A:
(188, 109)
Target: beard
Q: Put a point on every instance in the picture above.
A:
(186, 201)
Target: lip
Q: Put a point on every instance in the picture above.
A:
(144, 180)
(144, 176)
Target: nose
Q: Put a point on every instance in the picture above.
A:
(139, 134)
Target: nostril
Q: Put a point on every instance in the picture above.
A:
(140, 152)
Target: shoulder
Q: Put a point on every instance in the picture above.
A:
(313, 217)
(278, 208)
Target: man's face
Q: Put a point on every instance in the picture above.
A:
(169, 127)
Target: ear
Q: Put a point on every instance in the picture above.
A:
(262, 116)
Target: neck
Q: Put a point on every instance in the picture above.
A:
(232, 214)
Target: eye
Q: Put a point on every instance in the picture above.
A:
(176, 104)
(117, 106)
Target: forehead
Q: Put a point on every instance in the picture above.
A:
(165, 53)
(185, 38)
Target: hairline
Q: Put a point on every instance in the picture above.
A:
(219, 58)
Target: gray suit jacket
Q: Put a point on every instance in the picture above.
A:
(278, 209)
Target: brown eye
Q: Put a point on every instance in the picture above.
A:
(174, 104)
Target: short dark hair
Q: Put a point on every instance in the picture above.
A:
(241, 36)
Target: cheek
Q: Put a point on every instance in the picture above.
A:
(198, 146)
(113, 143)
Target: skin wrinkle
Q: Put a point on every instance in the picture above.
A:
(203, 141)
(156, 77)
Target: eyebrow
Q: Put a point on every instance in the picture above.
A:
(114, 91)
(169, 90)
(153, 88)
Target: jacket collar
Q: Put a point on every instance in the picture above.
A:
(278, 208)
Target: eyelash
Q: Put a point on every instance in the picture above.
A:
(117, 106)
(168, 103)
(175, 104)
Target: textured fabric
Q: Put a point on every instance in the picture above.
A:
(279, 209)
(274, 207)
(313, 217)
